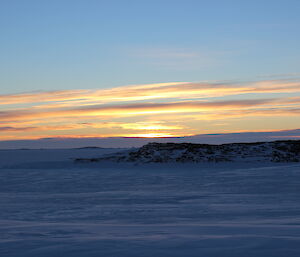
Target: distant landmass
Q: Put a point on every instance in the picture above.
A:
(277, 151)
(126, 142)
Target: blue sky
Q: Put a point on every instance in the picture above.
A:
(87, 68)
(71, 44)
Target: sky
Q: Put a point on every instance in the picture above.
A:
(85, 68)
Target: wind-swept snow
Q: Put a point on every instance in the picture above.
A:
(154, 210)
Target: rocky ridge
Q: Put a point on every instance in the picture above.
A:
(277, 151)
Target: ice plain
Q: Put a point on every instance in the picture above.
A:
(53, 207)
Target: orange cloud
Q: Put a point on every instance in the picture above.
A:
(145, 109)
(127, 110)
(176, 90)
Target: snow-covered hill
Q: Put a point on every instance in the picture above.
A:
(277, 151)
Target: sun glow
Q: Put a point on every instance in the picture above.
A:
(152, 135)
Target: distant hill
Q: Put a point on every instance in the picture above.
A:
(127, 142)
(277, 151)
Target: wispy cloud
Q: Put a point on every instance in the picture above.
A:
(176, 90)
(14, 129)
(127, 110)
(175, 58)
(154, 109)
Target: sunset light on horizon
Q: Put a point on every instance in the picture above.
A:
(153, 110)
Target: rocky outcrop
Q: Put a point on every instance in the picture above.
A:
(277, 151)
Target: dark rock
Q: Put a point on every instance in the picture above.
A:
(277, 151)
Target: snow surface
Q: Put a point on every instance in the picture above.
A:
(53, 207)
